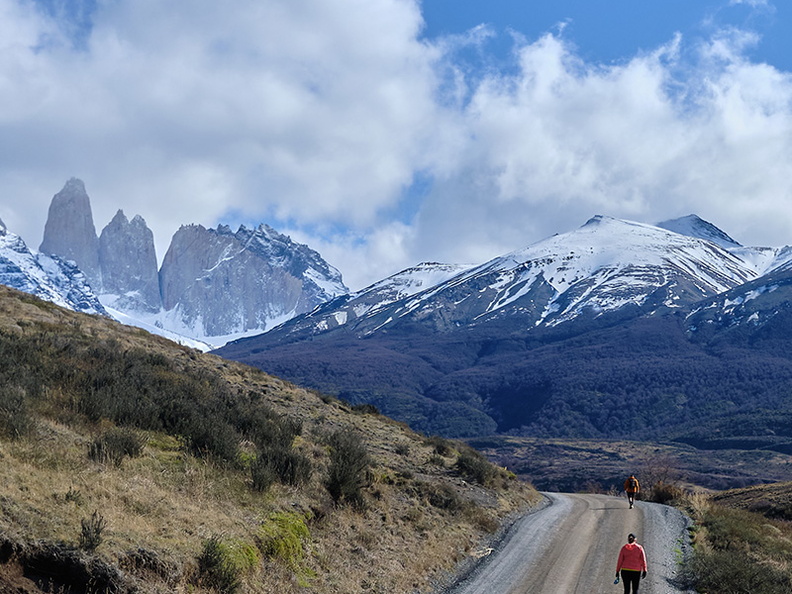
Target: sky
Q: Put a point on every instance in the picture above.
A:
(384, 133)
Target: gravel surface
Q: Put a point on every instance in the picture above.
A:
(571, 546)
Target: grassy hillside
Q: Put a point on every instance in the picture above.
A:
(739, 550)
(130, 463)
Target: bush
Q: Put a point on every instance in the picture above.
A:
(739, 551)
(91, 532)
(15, 418)
(348, 473)
(218, 440)
(115, 445)
(442, 446)
(474, 466)
(286, 466)
(441, 496)
(365, 409)
(665, 493)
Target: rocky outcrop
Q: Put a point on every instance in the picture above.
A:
(69, 232)
(128, 261)
(217, 282)
(212, 283)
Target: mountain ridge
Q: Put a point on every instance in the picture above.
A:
(615, 318)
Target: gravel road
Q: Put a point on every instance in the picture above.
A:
(571, 546)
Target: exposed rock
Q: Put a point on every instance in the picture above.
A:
(218, 282)
(69, 232)
(128, 262)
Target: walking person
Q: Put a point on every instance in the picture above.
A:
(631, 565)
(632, 487)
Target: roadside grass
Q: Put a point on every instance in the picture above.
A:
(737, 551)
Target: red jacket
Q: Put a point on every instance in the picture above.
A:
(631, 556)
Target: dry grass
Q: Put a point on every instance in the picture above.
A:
(167, 502)
(738, 550)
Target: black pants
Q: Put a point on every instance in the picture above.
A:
(630, 578)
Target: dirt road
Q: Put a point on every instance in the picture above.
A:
(571, 547)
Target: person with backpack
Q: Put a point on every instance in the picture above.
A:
(632, 488)
(631, 566)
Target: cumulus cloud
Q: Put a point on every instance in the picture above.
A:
(679, 130)
(338, 123)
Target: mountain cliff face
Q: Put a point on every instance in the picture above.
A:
(128, 262)
(216, 282)
(213, 284)
(47, 277)
(69, 232)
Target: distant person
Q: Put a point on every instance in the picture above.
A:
(631, 565)
(632, 487)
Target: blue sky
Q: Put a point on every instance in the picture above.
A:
(387, 132)
(615, 30)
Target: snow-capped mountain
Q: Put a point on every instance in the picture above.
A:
(377, 297)
(694, 226)
(614, 329)
(606, 266)
(47, 277)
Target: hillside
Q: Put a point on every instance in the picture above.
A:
(130, 463)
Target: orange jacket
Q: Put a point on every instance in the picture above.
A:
(630, 489)
(632, 557)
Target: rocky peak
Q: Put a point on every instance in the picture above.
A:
(128, 262)
(70, 233)
(221, 283)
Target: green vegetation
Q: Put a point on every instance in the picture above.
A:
(223, 563)
(130, 457)
(739, 551)
(348, 474)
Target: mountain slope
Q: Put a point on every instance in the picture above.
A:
(586, 334)
(607, 266)
(177, 453)
(46, 277)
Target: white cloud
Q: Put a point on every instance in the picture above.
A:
(320, 113)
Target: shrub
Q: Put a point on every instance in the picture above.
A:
(15, 418)
(348, 473)
(665, 492)
(91, 531)
(115, 445)
(210, 438)
(365, 409)
(285, 465)
(403, 449)
(269, 430)
(441, 495)
(474, 466)
(442, 446)
(739, 551)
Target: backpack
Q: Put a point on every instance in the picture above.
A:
(633, 483)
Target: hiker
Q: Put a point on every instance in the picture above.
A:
(631, 565)
(632, 488)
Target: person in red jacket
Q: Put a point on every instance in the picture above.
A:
(632, 488)
(631, 564)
